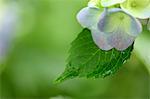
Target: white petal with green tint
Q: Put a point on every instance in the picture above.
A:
(137, 8)
(94, 3)
(115, 19)
(88, 17)
(107, 3)
(121, 28)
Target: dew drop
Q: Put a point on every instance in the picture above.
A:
(124, 61)
(123, 52)
(107, 73)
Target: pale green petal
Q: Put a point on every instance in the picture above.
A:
(88, 17)
(100, 39)
(94, 3)
(115, 19)
(137, 8)
(148, 25)
(107, 3)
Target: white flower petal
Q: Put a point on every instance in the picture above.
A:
(113, 19)
(107, 3)
(100, 39)
(94, 3)
(135, 27)
(88, 17)
(120, 40)
(137, 8)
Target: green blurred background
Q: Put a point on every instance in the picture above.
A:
(45, 29)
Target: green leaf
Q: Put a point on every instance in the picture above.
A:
(87, 60)
(142, 48)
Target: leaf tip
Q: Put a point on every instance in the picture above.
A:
(66, 75)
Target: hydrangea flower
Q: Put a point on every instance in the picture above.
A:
(110, 28)
(120, 28)
(137, 8)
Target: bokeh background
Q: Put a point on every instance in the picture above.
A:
(36, 36)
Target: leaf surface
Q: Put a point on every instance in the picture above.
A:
(87, 60)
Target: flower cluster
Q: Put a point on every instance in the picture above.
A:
(115, 23)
